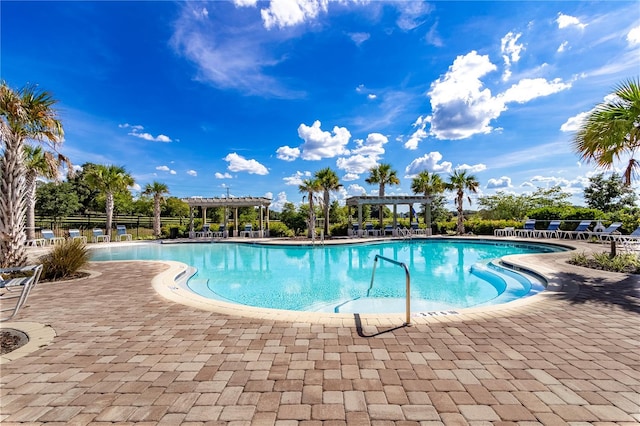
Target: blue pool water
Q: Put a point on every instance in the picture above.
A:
(445, 273)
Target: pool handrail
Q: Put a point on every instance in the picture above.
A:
(408, 283)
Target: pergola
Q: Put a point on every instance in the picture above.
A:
(386, 200)
(230, 202)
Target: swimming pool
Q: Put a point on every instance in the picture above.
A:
(445, 273)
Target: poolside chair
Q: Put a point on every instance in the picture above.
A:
(508, 231)
(528, 229)
(99, 236)
(220, 233)
(582, 227)
(634, 236)
(388, 229)
(355, 231)
(606, 234)
(551, 231)
(205, 232)
(416, 230)
(248, 230)
(370, 230)
(50, 238)
(121, 233)
(75, 234)
(15, 286)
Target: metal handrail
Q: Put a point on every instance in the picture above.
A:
(408, 283)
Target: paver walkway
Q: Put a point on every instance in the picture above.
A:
(123, 354)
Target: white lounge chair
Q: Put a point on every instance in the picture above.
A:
(121, 233)
(606, 234)
(580, 229)
(50, 238)
(15, 289)
(528, 229)
(508, 231)
(75, 234)
(99, 236)
(206, 231)
(248, 230)
(551, 231)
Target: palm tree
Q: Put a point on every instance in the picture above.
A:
(109, 180)
(40, 163)
(158, 190)
(612, 130)
(383, 175)
(428, 184)
(27, 113)
(328, 181)
(460, 181)
(310, 187)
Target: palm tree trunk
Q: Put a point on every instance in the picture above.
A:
(326, 212)
(12, 204)
(156, 216)
(31, 205)
(110, 205)
(460, 215)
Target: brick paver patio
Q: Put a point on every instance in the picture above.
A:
(123, 354)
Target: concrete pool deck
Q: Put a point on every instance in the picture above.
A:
(122, 353)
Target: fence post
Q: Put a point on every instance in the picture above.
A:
(138, 228)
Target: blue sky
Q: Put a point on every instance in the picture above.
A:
(252, 97)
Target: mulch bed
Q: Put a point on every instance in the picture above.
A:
(10, 340)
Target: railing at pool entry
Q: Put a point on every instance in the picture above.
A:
(408, 283)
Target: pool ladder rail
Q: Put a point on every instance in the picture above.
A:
(407, 281)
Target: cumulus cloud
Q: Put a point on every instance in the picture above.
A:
(550, 181)
(355, 190)
(356, 164)
(319, 144)
(633, 36)
(510, 50)
(225, 175)
(350, 177)
(166, 169)
(359, 38)
(238, 163)
(419, 134)
(297, 178)
(502, 182)
(472, 169)
(429, 162)
(371, 96)
(287, 13)
(566, 21)
(278, 203)
(192, 173)
(462, 106)
(287, 153)
(365, 156)
(136, 130)
(574, 123)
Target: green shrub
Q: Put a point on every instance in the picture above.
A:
(339, 229)
(626, 263)
(64, 260)
(279, 229)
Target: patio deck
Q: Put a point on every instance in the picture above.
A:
(124, 354)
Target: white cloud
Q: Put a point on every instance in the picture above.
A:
(412, 14)
(286, 13)
(238, 163)
(472, 169)
(166, 169)
(633, 36)
(502, 182)
(287, 153)
(374, 145)
(355, 190)
(136, 129)
(192, 173)
(419, 134)
(429, 162)
(562, 47)
(359, 38)
(320, 144)
(371, 96)
(350, 177)
(297, 178)
(574, 123)
(245, 3)
(566, 21)
(549, 181)
(433, 37)
(510, 50)
(278, 204)
(136, 187)
(532, 88)
(356, 164)
(365, 156)
(225, 175)
(133, 127)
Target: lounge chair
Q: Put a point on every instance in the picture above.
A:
(551, 231)
(206, 231)
(370, 230)
(582, 228)
(388, 230)
(50, 238)
(75, 234)
(416, 230)
(121, 233)
(99, 236)
(220, 233)
(528, 229)
(248, 230)
(606, 234)
(508, 231)
(634, 236)
(15, 286)
(355, 231)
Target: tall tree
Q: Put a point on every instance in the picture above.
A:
(40, 163)
(329, 182)
(612, 130)
(608, 194)
(383, 175)
(27, 113)
(309, 187)
(109, 180)
(158, 191)
(459, 182)
(429, 184)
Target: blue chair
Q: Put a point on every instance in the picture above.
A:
(121, 233)
(99, 236)
(16, 288)
(248, 230)
(220, 233)
(551, 231)
(388, 229)
(50, 238)
(206, 231)
(606, 234)
(528, 229)
(582, 228)
(75, 234)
